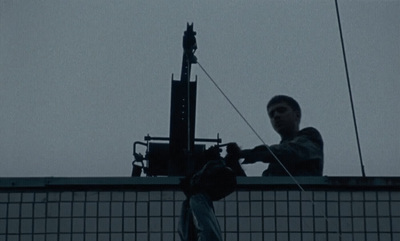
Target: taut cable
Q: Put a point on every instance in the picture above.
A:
(251, 127)
(349, 87)
(259, 137)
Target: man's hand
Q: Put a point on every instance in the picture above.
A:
(212, 153)
(233, 149)
(232, 159)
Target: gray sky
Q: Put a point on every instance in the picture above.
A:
(80, 81)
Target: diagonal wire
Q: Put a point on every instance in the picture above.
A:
(251, 127)
(349, 87)
(259, 137)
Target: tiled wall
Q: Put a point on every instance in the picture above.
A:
(318, 215)
(133, 214)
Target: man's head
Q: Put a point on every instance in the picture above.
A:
(285, 114)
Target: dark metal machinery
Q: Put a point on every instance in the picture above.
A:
(176, 155)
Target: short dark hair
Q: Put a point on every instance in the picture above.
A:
(287, 99)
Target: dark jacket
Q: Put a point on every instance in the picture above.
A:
(302, 155)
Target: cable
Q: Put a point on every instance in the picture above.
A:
(349, 87)
(251, 127)
(259, 137)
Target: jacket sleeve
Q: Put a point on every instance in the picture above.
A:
(305, 147)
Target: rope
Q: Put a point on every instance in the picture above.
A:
(259, 137)
(251, 127)
(349, 87)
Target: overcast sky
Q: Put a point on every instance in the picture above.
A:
(80, 81)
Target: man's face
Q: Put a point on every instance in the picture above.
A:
(284, 119)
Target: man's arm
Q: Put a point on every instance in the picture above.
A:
(257, 154)
(307, 145)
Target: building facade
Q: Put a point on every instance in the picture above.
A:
(148, 209)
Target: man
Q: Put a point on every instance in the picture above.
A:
(299, 151)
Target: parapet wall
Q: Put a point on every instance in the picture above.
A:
(144, 208)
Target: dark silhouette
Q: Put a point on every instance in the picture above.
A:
(212, 182)
(232, 159)
(299, 151)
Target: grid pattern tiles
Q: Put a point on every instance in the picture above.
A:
(104, 215)
(319, 215)
(153, 214)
